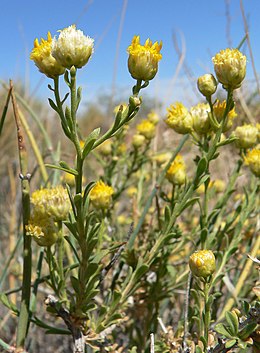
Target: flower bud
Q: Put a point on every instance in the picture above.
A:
(153, 117)
(179, 119)
(252, 159)
(219, 111)
(207, 85)
(72, 48)
(101, 195)
(230, 68)
(176, 174)
(200, 116)
(143, 59)
(105, 148)
(147, 129)
(247, 136)
(138, 140)
(202, 263)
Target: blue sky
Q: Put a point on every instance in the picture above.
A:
(202, 23)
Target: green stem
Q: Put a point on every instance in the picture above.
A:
(207, 315)
(23, 322)
(60, 248)
(153, 193)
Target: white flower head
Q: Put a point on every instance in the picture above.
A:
(72, 47)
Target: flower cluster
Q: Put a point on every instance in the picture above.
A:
(49, 207)
(71, 48)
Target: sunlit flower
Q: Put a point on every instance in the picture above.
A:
(72, 47)
(179, 118)
(207, 85)
(230, 67)
(43, 230)
(147, 129)
(219, 110)
(101, 195)
(46, 63)
(200, 116)
(69, 179)
(247, 136)
(143, 59)
(252, 159)
(202, 263)
(52, 202)
(176, 174)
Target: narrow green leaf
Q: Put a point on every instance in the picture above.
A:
(232, 321)
(230, 343)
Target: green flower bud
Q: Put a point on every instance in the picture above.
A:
(207, 85)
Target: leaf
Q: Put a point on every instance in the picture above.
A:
(53, 105)
(204, 234)
(167, 214)
(232, 321)
(223, 330)
(4, 299)
(245, 333)
(140, 271)
(202, 167)
(198, 350)
(92, 137)
(230, 343)
(70, 171)
(75, 284)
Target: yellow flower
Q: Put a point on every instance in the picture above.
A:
(53, 202)
(153, 117)
(147, 129)
(202, 263)
(131, 191)
(43, 230)
(176, 174)
(230, 67)
(179, 118)
(46, 63)
(200, 116)
(72, 48)
(143, 59)
(219, 109)
(252, 159)
(69, 179)
(207, 85)
(138, 140)
(101, 195)
(247, 136)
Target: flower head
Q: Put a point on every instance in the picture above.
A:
(72, 47)
(230, 67)
(207, 85)
(46, 63)
(138, 140)
(202, 263)
(219, 110)
(147, 129)
(176, 174)
(247, 136)
(252, 159)
(153, 117)
(43, 230)
(179, 118)
(101, 195)
(200, 116)
(52, 202)
(143, 59)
